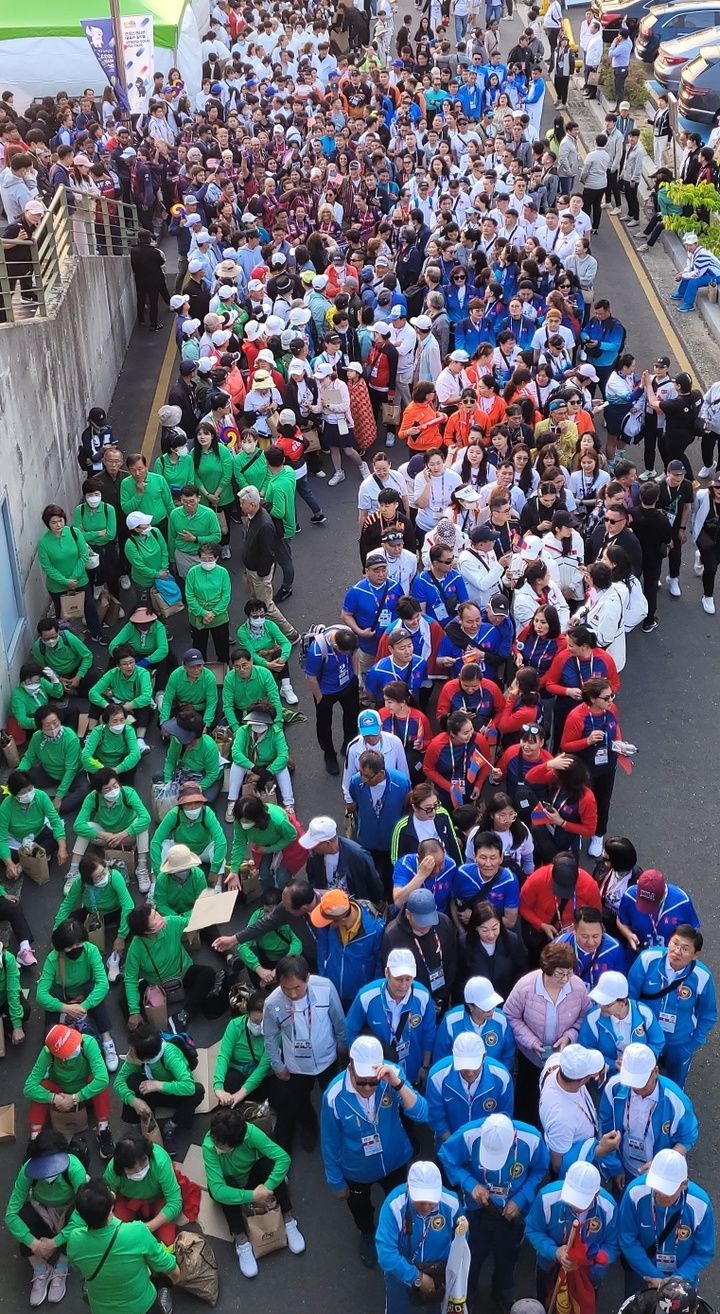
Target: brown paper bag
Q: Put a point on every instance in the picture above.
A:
(313, 439)
(128, 856)
(72, 606)
(155, 1014)
(107, 606)
(250, 881)
(391, 412)
(150, 1127)
(222, 521)
(219, 670)
(70, 1123)
(9, 750)
(161, 607)
(34, 863)
(96, 934)
(7, 1122)
(266, 1232)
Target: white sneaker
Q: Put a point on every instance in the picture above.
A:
(159, 698)
(616, 210)
(709, 606)
(595, 847)
(390, 440)
(246, 1258)
(697, 564)
(110, 1053)
(320, 474)
(125, 582)
(706, 471)
(70, 878)
(288, 693)
(230, 812)
(113, 968)
(364, 470)
(143, 879)
(295, 1238)
(144, 748)
(336, 479)
(673, 586)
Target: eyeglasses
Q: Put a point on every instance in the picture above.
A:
(563, 973)
(428, 811)
(530, 730)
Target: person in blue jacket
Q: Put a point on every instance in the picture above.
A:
(482, 1016)
(618, 1021)
(604, 336)
(369, 608)
(499, 1166)
(378, 800)
(362, 1136)
(578, 1198)
(667, 1226)
(595, 950)
(470, 332)
(430, 869)
(440, 588)
(496, 634)
(466, 1086)
(415, 1227)
(487, 878)
(399, 1011)
(681, 993)
(652, 910)
(402, 664)
(600, 1150)
(470, 94)
(348, 942)
(649, 1111)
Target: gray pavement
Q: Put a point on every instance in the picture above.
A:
(669, 706)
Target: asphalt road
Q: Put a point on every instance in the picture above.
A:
(669, 707)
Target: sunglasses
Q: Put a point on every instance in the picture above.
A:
(428, 811)
(531, 730)
(367, 1083)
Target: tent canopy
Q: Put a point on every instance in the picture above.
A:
(61, 18)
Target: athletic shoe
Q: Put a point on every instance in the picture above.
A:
(685, 310)
(697, 564)
(709, 606)
(390, 440)
(648, 626)
(295, 1238)
(105, 1141)
(230, 813)
(58, 1284)
(368, 1253)
(676, 296)
(288, 693)
(337, 478)
(282, 594)
(706, 471)
(616, 209)
(114, 968)
(73, 872)
(643, 248)
(319, 519)
(331, 764)
(26, 958)
(143, 879)
(673, 586)
(42, 1277)
(246, 1259)
(648, 474)
(165, 1300)
(595, 847)
(125, 582)
(365, 470)
(168, 1132)
(100, 640)
(320, 474)
(110, 1053)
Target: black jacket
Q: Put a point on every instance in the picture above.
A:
(148, 266)
(357, 868)
(503, 968)
(424, 949)
(408, 266)
(654, 532)
(199, 299)
(279, 917)
(290, 399)
(182, 394)
(260, 544)
(405, 837)
(625, 539)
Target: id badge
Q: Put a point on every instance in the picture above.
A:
(667, 1022)
(343, 675)
(371, 1145)
(635, 1147)
(499, 1194)
(441, 612)
(437, 979)
(666, 1261)
(601, 756)
(302, 1049)
(402, 1049)
(384, 618)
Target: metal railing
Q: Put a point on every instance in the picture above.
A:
(34, 274)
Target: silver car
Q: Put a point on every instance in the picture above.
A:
(673, 56)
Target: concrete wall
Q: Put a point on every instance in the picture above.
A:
(51, 372)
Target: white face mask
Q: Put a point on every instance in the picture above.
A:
(56, 734)
(104, 880)
(257, 624)
(192, 814)
(248, 447)
(247, 825)
(27, 797)
(112, 795)
(33, 686)
(208, 565)
(182, 451)
(51, 643)
(93, 499)
(138, 1176)
(116, 729)
(255, 1028)
(259, 731)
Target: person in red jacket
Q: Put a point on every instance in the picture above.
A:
(548, 900)
(471, 693)
(409, 724)
(568, 809)
(579, 661)
(458, 762)
(523, 706)
(381, 370)
(590, 731)
(514, 764)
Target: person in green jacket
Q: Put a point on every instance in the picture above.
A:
(14, 1012)
(146, 552)
(175, 463)
(192, 754)
(242, 1068)
(52, 760)
(246, 684)
(249, 464)
(268, 646)
(142, 1179)
(26, 811)
(62, 652)
(192, 683)
(213, 475)
(279, 497)
(259, 743)
(73, 984)
(70, 1071)
(130, 686)
(33, 693)
(143, 491)
(207, 594)
(243, 1166)
(260, 956)
(96, 520)
(113, 743)
(194, 823)
(99, 888)
(190, 525)
(267, 827)
(156, 954)
(63, 554)
(40, 1209)
(180, 881)
(147, 635)
(115, 816)
(116, 1259)
(157, 1073)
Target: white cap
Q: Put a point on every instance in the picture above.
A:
(190, 326)
(424, 1183)
(177, 301)
(690, 239)
(255, 285)
(287, 417)
(354, 365)
(220, 337)
(203, 236)
(195, 266)
(577, 1062)
(296, 369)
(478, 991)
(422, 322)
(320, 282)
(611, 987)
(401, 963)
(226, 291)
(319, 830)
(588, 371)
(367, 1054)
(638, 1062)
(266, 355)
(667, 1172)
(204, 365)
(323, 370)
(460, 355)
(193, 220)
(496, 1137)
(381, 327)
(531, 548)
(468, 1052)
(466, 493)
(580, 1185)
(136, 519)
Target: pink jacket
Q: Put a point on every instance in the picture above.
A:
(526, 1012)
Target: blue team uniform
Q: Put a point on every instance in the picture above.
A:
(504, 893)
(364, 603)
(598, 1032)
(590, 967)
(675, 910)
(356, 1148)
(496, 1035)
(441, 600)
(687, 1250)
(450, 1106)
(386, 670)
(685, 1006)
(404, 1240)
(550, 1220)
(670, 1122)
(415, 1030)
(405, 870)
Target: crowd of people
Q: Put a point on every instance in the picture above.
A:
(381, 256)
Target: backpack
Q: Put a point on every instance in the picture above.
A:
(185, 1044)
(315, 633)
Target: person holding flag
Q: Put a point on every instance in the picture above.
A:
(572, 1226)
(458, 761)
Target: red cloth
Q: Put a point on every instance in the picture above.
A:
(365, 428)
(576, 1293)
(515, 715)
(191, 1195)
(39, 1113)
(128, 1211)
(294, 856)
(539, 905)
(512, 752)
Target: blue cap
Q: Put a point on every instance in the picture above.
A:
(46, 1165)
(423, 908)
(216, 89)
(369, 722)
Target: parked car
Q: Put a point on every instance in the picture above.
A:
(668, 22)
(673, 57)
(699, 98)
(614, 14)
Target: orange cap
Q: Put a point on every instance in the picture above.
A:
(333, 904)
(63, 1042)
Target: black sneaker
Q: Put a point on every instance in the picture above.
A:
(168, 1135)
(106, 1143)
(282, 594)
(648, 626)
(368, 1253)
(331, 764)
(319, 519)
(100, 640)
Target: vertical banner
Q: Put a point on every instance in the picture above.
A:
(99, 32)
(138, 54)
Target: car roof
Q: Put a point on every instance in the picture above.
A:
(681, 7)
(690, 41)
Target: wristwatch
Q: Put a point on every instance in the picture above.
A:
(400, 1084)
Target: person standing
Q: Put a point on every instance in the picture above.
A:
(259, 557)
(414, 1234)
(148, 266)
(620, 53)
(576, 1206)
(592, 57)
(680, 991)
(652, 528)
(706, 535)
(630, 175)
(552, 24)
(594, 179)
(666, 1224)
(662, 131)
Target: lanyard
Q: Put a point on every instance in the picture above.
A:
(578, 663)
(406, 727)
(532, 658)
(627, 1117)
(453, 769)
(309, 1020)
(422, 955)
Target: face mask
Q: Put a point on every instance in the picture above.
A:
(247, 825)
(248, 447)
(104, 880)
(255, 1028)
(259, 731)
(112, 795)
(181, 877)
(74, 953)
(51, 643)
(182, 451)
(208, 565)
(56, 734)
(160, 925)
(257, 624)
(93, 499)
(116, 730)
(33, 687)
(27, 797)
(192, 814)
(138, 1176)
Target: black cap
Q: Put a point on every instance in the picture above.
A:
(187, 367)
(499, 605)
(483, 534)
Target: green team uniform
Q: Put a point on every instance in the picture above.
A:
(114, 687)
(19, 821)
(102, 748)
(277, 835)
(280, 497)
(123, 1284)
(213, 474)
(202, 758)
(198, 835)
(204, 525)
(104, 899)
(24, 705)
(60, 757)
(147, 556)
(70, 656)
(226, 1172)
(257, 643)
(158, 960)
(275, 945)
(62, 559)
(151, 645)
(128, 812)
(172, 1069)
(75, 974)
(202, 694)
(175, 900)
(240, 694)
(160, 1183)
(98, 525)
(175, 473)
(251, 470)
(11, 1000)
(207, 590)
(244, 1053)
(59, 1195)
(84, 1076)
(156, 501)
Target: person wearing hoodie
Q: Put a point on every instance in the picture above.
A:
(18, 185)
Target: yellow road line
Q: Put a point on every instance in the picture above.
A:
(159, 396)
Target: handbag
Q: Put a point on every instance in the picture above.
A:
(588, 295)
(313, 441)
(391, 412)
(72, 606)
(222, 521)
(95, 927)
(172, 987)
(435, 1269)
(163, 797)
(160, 605)
(9, 750)
(265, 1229)
(184, 562)
(34, 862)
(594, 77)
(260, 1115)
(197, 1267)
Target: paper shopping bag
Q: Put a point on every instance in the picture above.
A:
(72, 606)
(70, 1123)
(150, 1127)
(266, 1232)
(7, 1122)
(34, 863)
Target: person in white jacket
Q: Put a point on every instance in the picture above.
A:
(479, 565)
(537, 590)
(563, 550)
(705, 532)
(604, 612)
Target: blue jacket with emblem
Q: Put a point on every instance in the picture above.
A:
(686, 1012)
(550, 1220)
(520, 1177)
(597, 1032)
(347, 1136)
(404, 1239)
(690, 1246)
(672, 1121)
(449, 1105)
(415, 1033)
(496, 1035)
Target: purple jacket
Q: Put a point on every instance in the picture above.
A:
(526, 1012)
